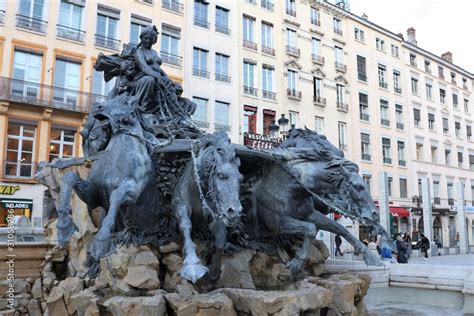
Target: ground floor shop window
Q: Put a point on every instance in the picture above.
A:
(20, 208)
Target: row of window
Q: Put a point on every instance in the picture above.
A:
(384, 112)
(442, 95)
(448, 161)
(359, 35)
(445, 124)
(220, 109)
(403, 185)
(201, 67)
(382, 75)
(427, 68)
(386, 150)
(21, 146)
(449, 190)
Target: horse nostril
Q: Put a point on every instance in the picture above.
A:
(231, 212)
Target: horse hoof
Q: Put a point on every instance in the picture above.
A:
(193, 272)
(371, 259)
(65, 232)
(101, 248)
(295, 265)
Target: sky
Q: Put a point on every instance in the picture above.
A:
(441, 25)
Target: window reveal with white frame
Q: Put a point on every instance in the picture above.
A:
(20, 149)
(63, 142)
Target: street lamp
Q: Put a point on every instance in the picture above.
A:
(283, 122)
(273, 129)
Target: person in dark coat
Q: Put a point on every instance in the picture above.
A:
(402, 249)
(424, 245)
(338, 240)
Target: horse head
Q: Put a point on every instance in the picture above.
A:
(306, 138)
(218, 169)
(361, 200)
(121, 114)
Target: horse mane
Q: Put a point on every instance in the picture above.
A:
(306, 138)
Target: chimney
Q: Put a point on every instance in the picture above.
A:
(365, 16)
(448, 56)
(411, 34)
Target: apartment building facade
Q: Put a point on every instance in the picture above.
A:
(441, 142)
(48, 84)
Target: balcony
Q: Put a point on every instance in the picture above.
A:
(362, 77)
(450, 201)
(343, 107)
(30, 23)
(402, 163)
(400, 126)
(340, 67)
(387, 160)
(292, 51)
(383, 85)
(317, 59)
(437, 201)
(269, 5)
(249, 44)
(397, 90)
(29, 93)
(222, 29)
(250, 90)
(19, 169)
(293, 94)
(268, 50)
(318, 100)
(222, 77)
(201, 23)
(200, 73)
(366, 157)
(259, 141)
(338, 31)
(107, 42)
(171, 59)
(174, 6)
(71, 33)
(364, 117)
(2, 17)
(269, 95)
(385, 122)
(291, 11)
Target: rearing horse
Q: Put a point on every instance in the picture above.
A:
(208, 192)
(121, 180)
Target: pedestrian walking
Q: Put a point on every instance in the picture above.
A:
(407, 240)
(338, 240)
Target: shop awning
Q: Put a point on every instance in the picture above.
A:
(399, 211)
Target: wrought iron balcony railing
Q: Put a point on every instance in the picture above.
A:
(30, 23)
(383, 84)
(317, 59)
(318, 100)
(385, 122)
(364, 117)
(171, 59)
(47, 96)
(340, 67)
(366, 157)
(268, 50)
(387, 160)
(293, 51)
(201, 23)
(200, 73)
(107, 42)
(402, 163)
(400, 126)
(437, 200)
(269, 95)
(249, 44)
(222, 29)
(343, 107)
(222, 77)
(362, 77)
(293, 94)
(250, 90)
(71, 33)
(397, 90)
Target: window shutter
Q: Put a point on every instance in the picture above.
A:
(363, 99)
(468, 130)
(416, 112)
(365, 138)
(108, 11)
(459, 157)
(471, 159)
(445, 124)
(171, 30)
(138, 19)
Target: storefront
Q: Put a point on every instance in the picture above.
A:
(444, 225)
(25, 201)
